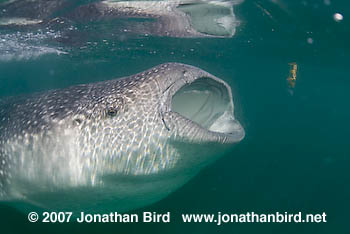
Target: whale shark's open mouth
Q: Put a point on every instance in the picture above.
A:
(204, 101)
(214, 18)
(206, 104)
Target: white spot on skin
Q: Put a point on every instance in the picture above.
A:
(310, 40)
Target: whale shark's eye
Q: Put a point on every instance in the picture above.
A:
(111, 112)
(77, 121)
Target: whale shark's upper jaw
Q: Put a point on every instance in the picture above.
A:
(198, 106)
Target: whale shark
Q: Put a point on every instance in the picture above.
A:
(116, 144)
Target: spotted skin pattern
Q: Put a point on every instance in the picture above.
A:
(75, 137)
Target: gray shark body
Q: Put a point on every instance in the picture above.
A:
(121, 144)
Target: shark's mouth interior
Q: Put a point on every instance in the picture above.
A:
(212, 18)
(208, 103)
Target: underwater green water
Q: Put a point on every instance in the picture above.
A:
(295, 156)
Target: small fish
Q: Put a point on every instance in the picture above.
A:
(292, 74)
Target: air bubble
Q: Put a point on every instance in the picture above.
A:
(338, 17)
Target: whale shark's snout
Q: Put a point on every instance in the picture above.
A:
(118, 144)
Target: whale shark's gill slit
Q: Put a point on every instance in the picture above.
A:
(204, 101)
(205, 104)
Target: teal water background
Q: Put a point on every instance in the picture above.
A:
(295, 156)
